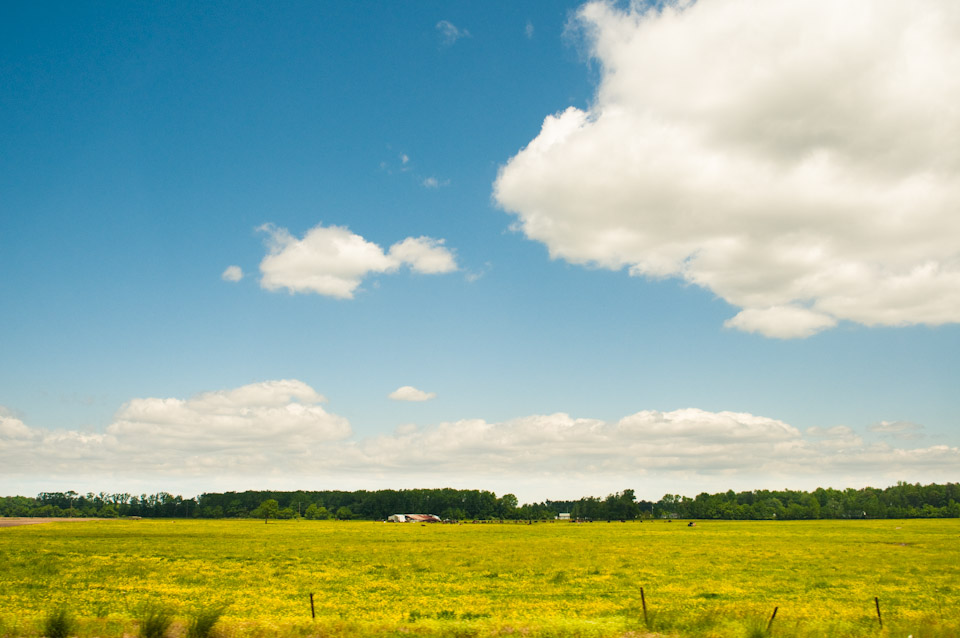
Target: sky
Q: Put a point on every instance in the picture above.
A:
(549, 248)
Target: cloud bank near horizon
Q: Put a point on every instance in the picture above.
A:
(799, 160)
(277, 432)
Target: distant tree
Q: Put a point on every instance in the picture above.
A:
(453, 513)
(344, 513)
(108, 511)
(323, 514)
(268, 509)
(507, 506)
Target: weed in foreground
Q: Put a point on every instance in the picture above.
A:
(756, 629)
(202, 622)
(154, 621)
(59, 623)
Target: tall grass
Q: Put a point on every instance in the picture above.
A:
(59, 623)
(154, 621)
(202, 622)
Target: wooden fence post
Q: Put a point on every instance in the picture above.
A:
(313, 614)
(772, 616)
(643, 601)
(876, 601)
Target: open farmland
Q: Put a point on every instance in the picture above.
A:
(548, 579)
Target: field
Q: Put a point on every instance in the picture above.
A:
(548, 579)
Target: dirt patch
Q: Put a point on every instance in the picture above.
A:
(15, 522)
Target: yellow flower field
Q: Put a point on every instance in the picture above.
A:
(548, 579)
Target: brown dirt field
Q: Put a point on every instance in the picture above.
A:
(14, 522)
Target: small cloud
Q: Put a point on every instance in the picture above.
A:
(404, 158)
(333, 261)
(433, 182)
(424, 255)
(473, 276)
(450, 33)
(232, 273)
(410, 393)
(528, 30)
(835, 431)
(781, 322)
(898, 429)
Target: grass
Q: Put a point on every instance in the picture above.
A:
(154, 621)
(59, 623)
(719, 579)
(203, 621)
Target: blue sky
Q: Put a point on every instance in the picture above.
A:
(603, 246)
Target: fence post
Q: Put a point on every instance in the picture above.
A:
(313, 614)
(643, 601)
(876, 601)
(772, 616)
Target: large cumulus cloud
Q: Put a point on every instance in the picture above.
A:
(799, 159)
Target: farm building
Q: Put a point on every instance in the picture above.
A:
(413, 518)
(564, 516)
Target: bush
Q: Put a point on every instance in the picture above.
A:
(59, 623)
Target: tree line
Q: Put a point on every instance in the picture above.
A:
(903, 500)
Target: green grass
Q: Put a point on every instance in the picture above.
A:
(154, 620)
(203, 621)
(555, 579)
(59, 623)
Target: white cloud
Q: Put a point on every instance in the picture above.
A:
(13, 428)
(528, 30)
(800, 160)
(264, 424)
(285, 412)
(449, 33)
(424, 255)
(276, 432)
(783, 322)
(232, 273)
(332, 261)
(410, 393)
(434, 183)
(678, 446)
(898, 429)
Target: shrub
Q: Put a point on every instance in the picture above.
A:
(59, 623)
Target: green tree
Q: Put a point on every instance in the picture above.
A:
(507, 506)
(268, 509)
(108, 511)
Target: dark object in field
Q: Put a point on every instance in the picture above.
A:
(876, 601)
(643, 601)
(691, 524)
(772, 616)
